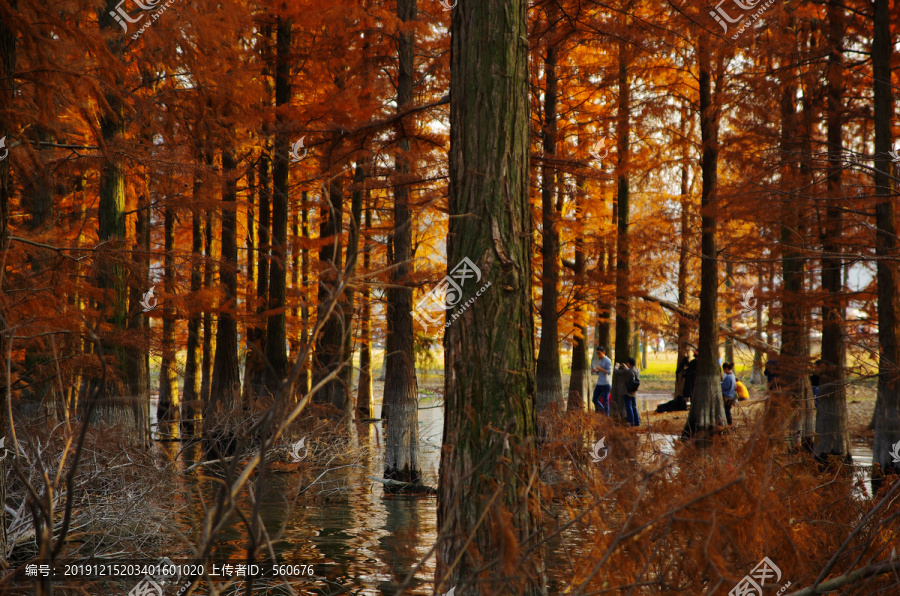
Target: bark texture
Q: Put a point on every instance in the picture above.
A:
(887, 406)
(488, 468)
(707, 407)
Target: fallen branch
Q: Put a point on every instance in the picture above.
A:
(844, 580)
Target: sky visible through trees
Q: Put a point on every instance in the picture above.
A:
(319, 287)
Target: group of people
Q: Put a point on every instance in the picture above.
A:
(732, 388)
(603, 367)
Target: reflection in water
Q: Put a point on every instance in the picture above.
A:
(362, 542)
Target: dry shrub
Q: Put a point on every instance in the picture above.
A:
(699, 520)
(123, 497)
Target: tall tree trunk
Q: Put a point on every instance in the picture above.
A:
(606, 266)
(400, 400)
(347, 306)
(137, 356)
(254, 365)
(276, 330)
(111, 407)
(7, 73)
(365, 395)
(303, 381)
(208, 272)
(224, 397)
(794, 358)
(832, 425)
(684, 325)
(623, 276)
(190, 403)
(547, 374)
(707, 407)
(328, 355)
(167, 407)
(887, 406)
(580, 379)
(487, 463)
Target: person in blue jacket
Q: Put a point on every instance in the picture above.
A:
(729, 385)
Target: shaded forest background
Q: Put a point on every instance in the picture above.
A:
(276, 180)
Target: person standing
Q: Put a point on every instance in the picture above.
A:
(632, 382)
(729, 385)
(603, 366)
(690, 375)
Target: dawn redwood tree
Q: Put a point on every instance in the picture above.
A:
(684, 325)
(794, 357)
(887, 406)
(329, 344)
(254, 366)
(580, 379)
(137, 354)
(400, 401)
(707, 407)
(548, 372)
(487, 461)
(112, 276)
(167, 407)
(276, 331)
(191, 394)
(623, 209)
(365, 394)
(832, 425)
(224, 393)
(7, 71)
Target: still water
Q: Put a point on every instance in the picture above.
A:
(359, 540)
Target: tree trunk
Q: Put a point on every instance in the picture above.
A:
(225, 387)
(832, 425)
(303, 380)
(488, 463)
(137, 356)
(580, 379)
(190, 403)
(111, 406)
(400, 400)
(623, 281)
(329, 350)
(208, 271)
(254, 365)
(365, 395)
(8, 59)
(684, 325)
(548, 374)
(887, 406)
(276, 330)
(793, 362)
(707, 407)
(167, 407)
